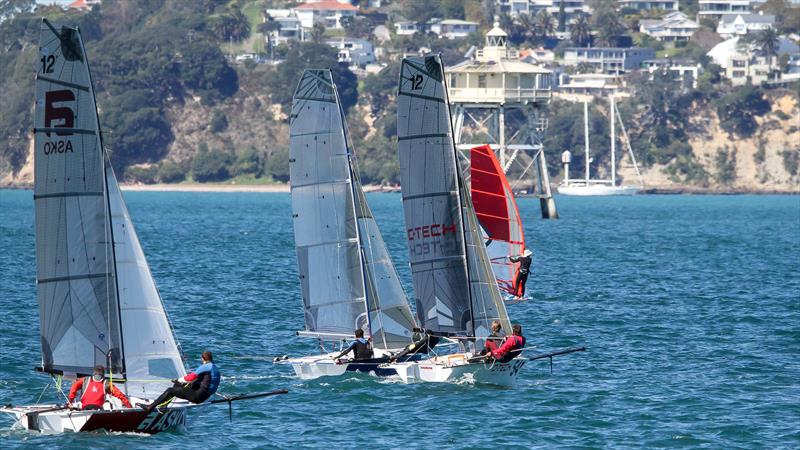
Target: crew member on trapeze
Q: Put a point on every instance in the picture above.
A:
(524, 261)
(511, 348)
(94, 390)
(204, 383)
(361, 347)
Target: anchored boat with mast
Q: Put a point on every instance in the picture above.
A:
(347, 278)
(599, 187)
(98, 302)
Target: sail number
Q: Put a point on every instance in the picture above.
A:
(416, 82)
(47, 63)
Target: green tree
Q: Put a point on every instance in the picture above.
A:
(545, 24)
(580, 31)
(357, 26)
(170, 172)
(211, 165)
(737, 110)
(607, 22)
(317, 32)
(767, 41)
(278, 165)
(231, 25)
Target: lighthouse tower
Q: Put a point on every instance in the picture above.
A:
(499, 99)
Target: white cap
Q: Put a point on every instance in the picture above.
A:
(527, 252)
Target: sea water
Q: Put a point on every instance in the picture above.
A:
(689, 307)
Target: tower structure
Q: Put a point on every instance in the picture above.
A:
(500, 100)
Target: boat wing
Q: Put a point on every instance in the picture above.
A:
(497, 213)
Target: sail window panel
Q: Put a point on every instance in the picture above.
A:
(337, 274)
(75, 353)
(342, 318)
(162, 368)
(323, 213)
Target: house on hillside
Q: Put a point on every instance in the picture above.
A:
(716, 9)
(611, 60)
(453, 28)
(681, 70)
(743, 63)
(326, 12)
(740, 24)
(644, 5)
(673, 27)
(585, 86)
(353, 52)
(406, 28)
(83, 5)
(514, 8)
(289, 27)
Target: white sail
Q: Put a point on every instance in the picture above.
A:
(347, 278)
(79, 313)
(151, 352)
(98, 301)
(454, 285)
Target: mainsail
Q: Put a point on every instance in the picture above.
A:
(98, 303)
(497, 213)
(347, 277)
(455, 289)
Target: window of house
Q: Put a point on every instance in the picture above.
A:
(481, 81)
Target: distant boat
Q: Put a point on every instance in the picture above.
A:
(497, 214)
(598, 187)
(347, 278)
(457, 295)
(98, 302)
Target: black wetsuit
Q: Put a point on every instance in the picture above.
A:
(522, 276)
(422, 343)
(361, 348)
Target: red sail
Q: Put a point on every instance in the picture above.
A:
(497, 213)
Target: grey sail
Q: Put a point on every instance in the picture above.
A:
(455, 289)
(78, 298)
(347, 278)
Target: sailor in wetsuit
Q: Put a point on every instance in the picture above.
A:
(524, 261)
(422, 342)
(204, 383)
(361, 348)
(494, 340)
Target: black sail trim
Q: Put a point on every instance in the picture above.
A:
(67, 194)
(75, 277)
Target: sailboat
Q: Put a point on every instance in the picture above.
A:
(456, 292)
(98, 302)
(599, 187)
(497, 214)
(347, 278)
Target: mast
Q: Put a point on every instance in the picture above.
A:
(586, 137)
(613, 142)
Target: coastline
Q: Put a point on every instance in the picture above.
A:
(285, 188)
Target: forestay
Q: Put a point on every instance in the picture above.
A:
(98, 301)
(347, 278)
(497, 214)
(455, 288)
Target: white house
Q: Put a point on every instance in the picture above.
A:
(326, 12)
(354, 52)
(740, 24)
(675, 26)
(572, 8)
(717, 9)
(585, 86)
(406, 28)
(611, 60)
(683, 70)
(743, 63)
(642, 5)
(454, 28)
(290, 27)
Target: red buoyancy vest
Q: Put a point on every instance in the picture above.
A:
(94, 392)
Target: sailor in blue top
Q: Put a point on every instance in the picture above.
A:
(204, 383)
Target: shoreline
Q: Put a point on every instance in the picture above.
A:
(285, 188)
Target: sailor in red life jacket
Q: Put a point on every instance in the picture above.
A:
(494, 340)
(511, 348)
(95, 389)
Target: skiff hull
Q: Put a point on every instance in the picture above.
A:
(132, 420)
(456, 368)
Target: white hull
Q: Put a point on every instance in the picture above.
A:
(316, 366)
(456, 368)
(125, 420)
(596, 190)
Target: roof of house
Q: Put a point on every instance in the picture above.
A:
(749, 18)
(457, 22)
(502, 66)
(328, 5)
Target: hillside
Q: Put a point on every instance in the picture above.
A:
(174, 108)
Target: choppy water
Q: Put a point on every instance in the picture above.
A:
(690, 308)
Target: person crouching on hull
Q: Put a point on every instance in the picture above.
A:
(94, 390)
(204, 383)
(511, 348)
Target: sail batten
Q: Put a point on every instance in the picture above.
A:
(334, 227)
